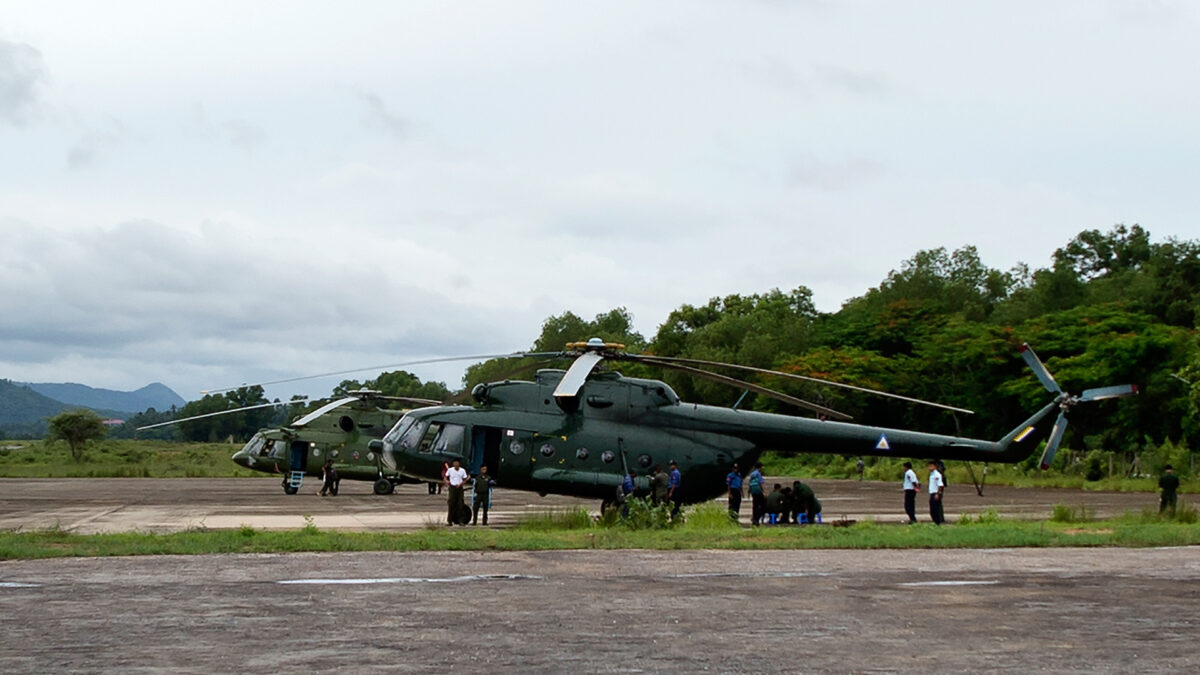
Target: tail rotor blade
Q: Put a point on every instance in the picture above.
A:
(1039, 369)
(1101, 393)
(1052, 443)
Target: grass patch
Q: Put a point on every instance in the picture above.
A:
(122, 458)
(704, 528)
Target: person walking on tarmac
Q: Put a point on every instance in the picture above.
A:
(911, 485)
(456, 476)
(758, 500)
(1169, 483)
(329, 479)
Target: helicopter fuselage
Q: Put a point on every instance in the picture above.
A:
(584, 445)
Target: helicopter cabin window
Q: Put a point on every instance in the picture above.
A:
(608, 456)
(582, 453)
(449, 439)
(645, 461)
(547, 450)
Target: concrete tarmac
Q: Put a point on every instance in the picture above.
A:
(1050, 610)
(90, 505)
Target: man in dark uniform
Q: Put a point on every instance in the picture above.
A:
(482, 498)
(776, 507)
(658, 485)
(1169, 483)
(806, 502)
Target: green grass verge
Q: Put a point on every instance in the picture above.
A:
(1015, 475)
(117, 458)
(1127, 531)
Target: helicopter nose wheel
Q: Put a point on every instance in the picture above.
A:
(384, 486)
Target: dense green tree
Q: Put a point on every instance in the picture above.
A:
(76, 427)
(613, 326)
(236, 425)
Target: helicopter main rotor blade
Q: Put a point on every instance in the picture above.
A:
(406, 399)
(577, 374)
(1039, 369)
(1101, 393)
(742, 384)
(1052, 443)
(219, 413)
(804, 378)
(322, 410)
(446, 359)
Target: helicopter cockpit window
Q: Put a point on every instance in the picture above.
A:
(411, 437)
(449, 439)
(257, 446)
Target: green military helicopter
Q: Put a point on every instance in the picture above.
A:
(578, 432)
(337, 431)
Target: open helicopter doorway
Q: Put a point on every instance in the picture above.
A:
(485, 449)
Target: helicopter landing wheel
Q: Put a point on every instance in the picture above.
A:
(384, 486)
(288, 489)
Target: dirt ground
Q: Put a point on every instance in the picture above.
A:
(88, 505)
(1106, 610)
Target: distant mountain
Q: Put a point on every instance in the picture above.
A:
(20, 405)
(24, 412)
(157, 396)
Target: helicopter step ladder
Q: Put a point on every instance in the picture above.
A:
(295, 479)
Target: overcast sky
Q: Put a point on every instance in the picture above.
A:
(210, 193)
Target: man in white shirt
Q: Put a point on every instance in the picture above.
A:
(456, 476)
(911, 484)
(936, 486)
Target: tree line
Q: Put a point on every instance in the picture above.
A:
(1113, 307)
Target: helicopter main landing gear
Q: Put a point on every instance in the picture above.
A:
(384, 486)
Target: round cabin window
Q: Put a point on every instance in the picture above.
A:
(608, 456)
(582, 453)
(644, 461)
(516, 447)
(547, 450)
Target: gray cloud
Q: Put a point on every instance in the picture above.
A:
(379, 116)
(22, 71)
(89, 148)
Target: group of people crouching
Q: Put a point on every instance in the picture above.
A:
(782, 506)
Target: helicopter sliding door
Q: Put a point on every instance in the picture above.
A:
(298, 456)
(506, 453)
(485, 449)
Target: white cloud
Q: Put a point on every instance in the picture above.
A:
(300, 189)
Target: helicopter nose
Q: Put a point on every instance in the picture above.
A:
(244, 458)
